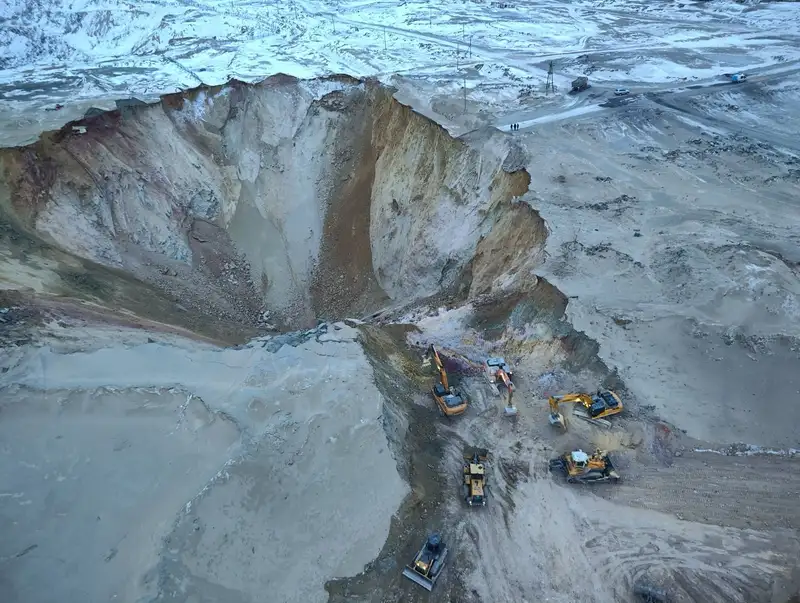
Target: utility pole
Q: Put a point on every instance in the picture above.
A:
(465, 93)
(384, 37)
(457, 48)
(470, 45)
(549, 86)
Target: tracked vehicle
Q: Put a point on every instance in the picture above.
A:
(451, 401)
(474, 473)
(428, 563)
(579, 467)
(595, 408)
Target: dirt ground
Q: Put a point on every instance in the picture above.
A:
(151, 353)
(703, 526)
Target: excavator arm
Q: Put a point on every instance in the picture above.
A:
(443, 377)
(556, 418)
(432, 354)
(503, 376)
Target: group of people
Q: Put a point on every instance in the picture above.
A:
(515, 126)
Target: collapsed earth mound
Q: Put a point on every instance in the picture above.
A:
(284, 202)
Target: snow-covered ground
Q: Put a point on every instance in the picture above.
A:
(83, 52)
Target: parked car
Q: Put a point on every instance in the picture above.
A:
(621, 91)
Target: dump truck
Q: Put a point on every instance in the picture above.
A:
(580, 83)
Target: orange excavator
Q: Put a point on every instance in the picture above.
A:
(450, 401)
(499, 373)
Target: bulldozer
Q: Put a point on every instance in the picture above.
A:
(451, 402)
(428, 563)
(474, 474)
(604, 403)
(579, 467)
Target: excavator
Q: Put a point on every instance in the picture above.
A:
(604, 403)
(450, 401)
(474, 473)
(498, 372)
(579, 467)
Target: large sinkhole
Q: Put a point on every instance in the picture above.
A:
(282, 203)
(230, 212)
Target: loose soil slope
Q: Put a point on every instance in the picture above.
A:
(284, 202)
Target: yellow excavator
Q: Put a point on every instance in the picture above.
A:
(596, 408)
(450, 401)
(578, 467)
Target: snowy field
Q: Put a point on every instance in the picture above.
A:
(82, 52)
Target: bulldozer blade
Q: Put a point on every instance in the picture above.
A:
(415, 577)
(482, 453)
(511, 411)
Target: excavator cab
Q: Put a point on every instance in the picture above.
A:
(604, 403)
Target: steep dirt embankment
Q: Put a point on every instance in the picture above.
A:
(283, 202)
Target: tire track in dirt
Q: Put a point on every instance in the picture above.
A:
(756, 492)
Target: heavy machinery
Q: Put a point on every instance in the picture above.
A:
(579, 467)
(474, 474)
(449, 400)
(580, 83)
(604, 403)
(428, 563)
(499, 373)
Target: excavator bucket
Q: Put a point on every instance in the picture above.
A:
(426, 360)
(510, 409)
(558, 420)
